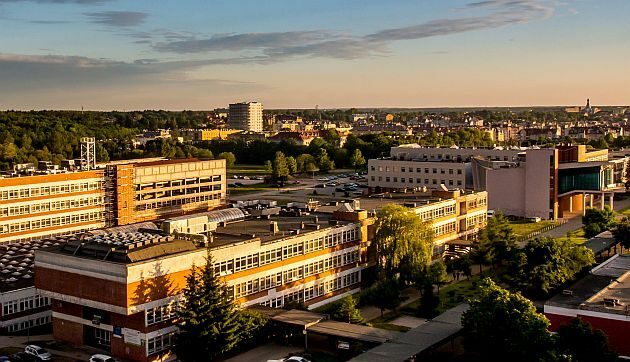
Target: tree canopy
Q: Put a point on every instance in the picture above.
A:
(401, 236)
(596, 221)
(501, 324)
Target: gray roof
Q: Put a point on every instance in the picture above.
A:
(418, 339)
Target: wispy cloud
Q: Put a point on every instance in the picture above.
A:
(84, 2)
(282, 46)
(117, 18)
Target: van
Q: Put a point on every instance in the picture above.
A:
(490, 213)
(38, 352)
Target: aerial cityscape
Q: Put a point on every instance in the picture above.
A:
(295, 181)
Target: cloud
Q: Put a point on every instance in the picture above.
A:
(117, 18)
(281, 46)
(49, 22)
(97, 83)
(237, 42)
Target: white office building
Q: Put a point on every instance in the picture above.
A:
(247, 116)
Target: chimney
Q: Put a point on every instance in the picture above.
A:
(316, 219)
(273, 227)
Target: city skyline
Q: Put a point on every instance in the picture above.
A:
(123, 55)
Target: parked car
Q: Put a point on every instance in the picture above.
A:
(5, 359)
(236, 177)
(245, 177)
(38, 352)
(323, 179)
(101, 358)
(239, 184)
(358, 193)
(233, 185)
(320, 186)
(339, 189)
(23, 357)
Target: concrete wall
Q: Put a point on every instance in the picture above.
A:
(506, 190)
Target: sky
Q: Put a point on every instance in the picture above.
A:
(202, 54)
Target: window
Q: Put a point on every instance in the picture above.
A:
(160, 343)
(435, 170)
(459, 172)
(161, 313)
(402, 169)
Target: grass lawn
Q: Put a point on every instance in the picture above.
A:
(249, 189)
(524, 228)
(383, 322)
(625, 212)
(576, 236)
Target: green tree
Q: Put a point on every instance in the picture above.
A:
(401, 235)
(292, 164)
(545, 264)
(581, 343)
(229, 158)
(280, 169)
(595, 221)
(437, 275)
(622, 232)
(268, 166)
(323, 161)
(384, 294)
(499, 238)
(303, 160)
(505, 325)
(347, 311)
(209, 322)
(253, 328)
(356, 160)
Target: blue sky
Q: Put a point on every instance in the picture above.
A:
(114, 54)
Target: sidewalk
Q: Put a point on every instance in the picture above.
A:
(43, 340)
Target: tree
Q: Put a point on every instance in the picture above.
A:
(401, 235)
(545, 264)
(498, 238)
(622, 232)
(253, 328)
(347, 311)
(280, 170)
(268, 166)
(292, 164)
(229, 158)
(384, 294)
(209, 323)
(437, 275)
(303, 160)
(464, 265)
(323, 161)
(579, 341)
(595, 221)
(501, 324)
(356, 160)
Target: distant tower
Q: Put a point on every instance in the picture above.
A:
(588, 103)
(88, 152)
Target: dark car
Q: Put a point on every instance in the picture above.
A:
(5, 359)
(23, 357)
(239, 184)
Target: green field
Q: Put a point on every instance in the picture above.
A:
(248, 170)
(524, 228)
(576, 236)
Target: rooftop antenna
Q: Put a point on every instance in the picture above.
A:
(88, 152)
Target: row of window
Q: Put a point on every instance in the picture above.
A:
(257, 259)
(50, 221)
(168, 191)
(294, 274)
(37, 190)
(178, 201)
(47, 205)
(476, 219)
(160, 343)
(161, 313)
(431, 214)
(427, 170)
(23, 304)
(314, 291)
(481, 201)
(419, 181)
(29, 324)
(446, 156)
(178, 183)
(444, 229)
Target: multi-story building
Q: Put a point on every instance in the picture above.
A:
(247, 116)
(412, 166)
(200, 135)
(151, 190)
(22, 307)
(37, 206)
(121, 291)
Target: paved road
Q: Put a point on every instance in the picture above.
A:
(266, 352)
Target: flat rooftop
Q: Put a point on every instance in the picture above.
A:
(249, 229)
(16, 263)
(606, 282)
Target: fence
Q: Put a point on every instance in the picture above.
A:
(536, 233)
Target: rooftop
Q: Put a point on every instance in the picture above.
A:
(16, 263)
(605, 289)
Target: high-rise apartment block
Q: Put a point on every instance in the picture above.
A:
(246, 116)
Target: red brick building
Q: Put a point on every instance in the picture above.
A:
(602, 299)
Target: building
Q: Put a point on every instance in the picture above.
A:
(301, 138)
(247, 116)
(412, 166)
(37, 206)
(601, 298)
(200, 135)
(120, 291)
(150, 190)
(22, 307)
(60, 202)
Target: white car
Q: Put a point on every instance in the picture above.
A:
(290, 359)
(38, 352)
(101, 358)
